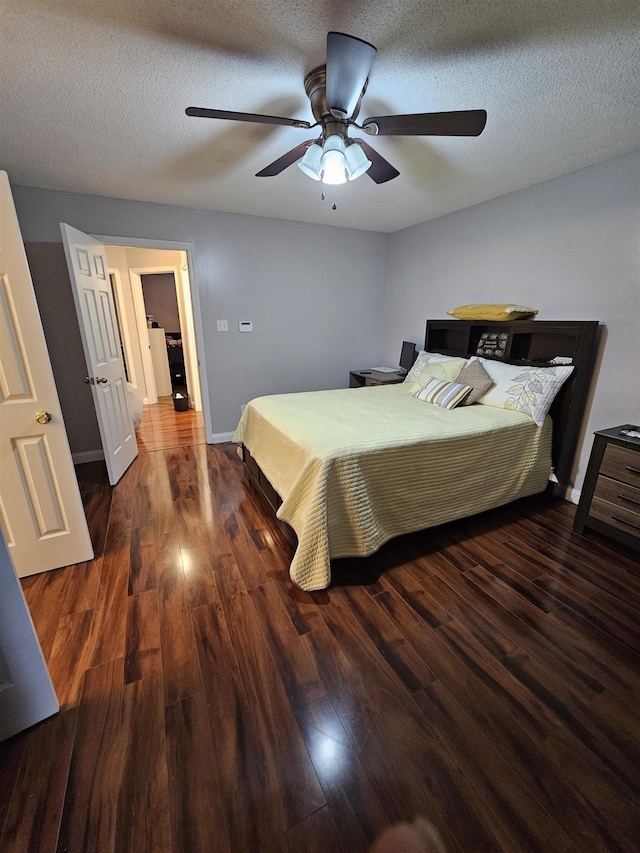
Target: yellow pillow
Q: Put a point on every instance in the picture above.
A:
(504, 311)
(447, 370)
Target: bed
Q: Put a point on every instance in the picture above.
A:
(351, 468)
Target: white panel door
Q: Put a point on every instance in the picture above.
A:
(26, 692)
(93, 298)
(41, 510)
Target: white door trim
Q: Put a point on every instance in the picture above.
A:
(188, 331)
(125, 329)
(151, 395)
(185, 317)
(189, 248)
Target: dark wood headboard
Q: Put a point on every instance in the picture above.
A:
(535, 343)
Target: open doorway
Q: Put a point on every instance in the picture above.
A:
(153, 298)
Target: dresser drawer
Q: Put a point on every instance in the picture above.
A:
(620, 494)
(272, 497)
(622, 464)
(616, 516)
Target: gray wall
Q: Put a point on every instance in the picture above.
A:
(314, 293)
(160, 300)
(60, 323)
(569, 247)
(317, 298)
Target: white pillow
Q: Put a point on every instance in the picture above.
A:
(446, 370)
(424, 358)
(531, 390)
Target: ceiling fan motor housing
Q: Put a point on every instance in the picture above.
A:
(315, 85)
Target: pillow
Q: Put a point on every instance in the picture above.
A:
(531, 390)
(447, 370)
(445, 394)
(504, 311)
(425, 358)
(493, 343)
(476, 376)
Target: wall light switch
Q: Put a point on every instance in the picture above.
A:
(245, 326)
(223, 325)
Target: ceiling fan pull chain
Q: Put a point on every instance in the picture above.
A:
(334, 206)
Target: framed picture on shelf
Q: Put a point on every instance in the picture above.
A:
(493, 344)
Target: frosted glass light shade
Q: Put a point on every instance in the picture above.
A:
(310, 163)
(333, 165)
(357, 161)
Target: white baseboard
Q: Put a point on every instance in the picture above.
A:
(571, 495)
(219, 437)
(87, 456)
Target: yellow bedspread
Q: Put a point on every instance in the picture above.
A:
(357, 466)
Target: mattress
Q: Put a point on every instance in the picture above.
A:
(357, 466)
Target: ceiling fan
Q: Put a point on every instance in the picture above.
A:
(335, 91)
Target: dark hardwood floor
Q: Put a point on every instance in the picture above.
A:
(163, 427)
(484, 674)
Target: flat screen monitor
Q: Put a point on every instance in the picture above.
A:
(407, 355)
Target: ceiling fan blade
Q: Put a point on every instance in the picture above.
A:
(203, 112)
(349, 61)
(286, 160)
(459, 123)
(380, 169)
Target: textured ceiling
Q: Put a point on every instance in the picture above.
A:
(93, 93)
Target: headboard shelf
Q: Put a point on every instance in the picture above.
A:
(534, 343)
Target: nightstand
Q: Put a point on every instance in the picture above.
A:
(610, 497)
(365, 378)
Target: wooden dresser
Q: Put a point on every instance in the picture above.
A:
(610, 498)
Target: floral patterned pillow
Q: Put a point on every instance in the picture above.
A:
(446, 370)
(427, 358)
(531, 390)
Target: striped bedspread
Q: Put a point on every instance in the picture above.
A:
(358, 466)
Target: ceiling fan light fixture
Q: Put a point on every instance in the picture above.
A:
(357, 161)
(310, 163)
(335, 91)
(333, 165)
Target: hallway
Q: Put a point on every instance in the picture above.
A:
(162, 427)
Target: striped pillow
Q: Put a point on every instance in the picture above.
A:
(442, 393)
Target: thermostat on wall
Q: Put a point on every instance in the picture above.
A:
(245, 326)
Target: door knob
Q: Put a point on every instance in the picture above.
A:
(88, 380)
(101, 381)
(43, 417)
